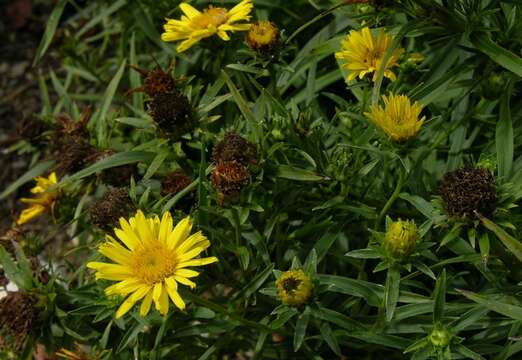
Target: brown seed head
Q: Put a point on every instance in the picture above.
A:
(106, 212)
(172, 112)
(174, 182)
(229, 178)
(233, 147)
(467, 190)
(115, 176)
(17, 319)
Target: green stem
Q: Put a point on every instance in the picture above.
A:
(392, 198)
(314, 20)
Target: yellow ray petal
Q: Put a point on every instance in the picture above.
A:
(172, 289)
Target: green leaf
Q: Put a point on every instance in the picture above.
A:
(504, 135)
(156, 164)
(300, 329)
(283, 317)
(13, 272)
(497, 53)
(298, 174)
(328, 336)
(101, 118)
(118, 159)
(28, 176)
(509, 310)
(50, 29)
(364, 254)
(510, 242)
(244, 108)
(439, 298)
(352, 287)
(391, 291)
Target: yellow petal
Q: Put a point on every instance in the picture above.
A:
(180, 232)
(187, 273)
(143, 227)
(164, 302)
(158, 288)
(128, 236)
(192, 253)
(172, 289)
(191, 241)
(165, 227)
(189, 11)
(197, 262)
(30, 213)
(145, 304)
(185, 281)
(131, 300)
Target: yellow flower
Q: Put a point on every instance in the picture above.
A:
(197, 25)
(263, 36)
(401, 238)
(42, 202)
(294, 287)
(399, 118)
(363, 54)
(152, 260)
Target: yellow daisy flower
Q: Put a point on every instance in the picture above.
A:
(150, 261)
(42, 202)
(294, 287)
(399, 118)
(196, 25)
(363, 54)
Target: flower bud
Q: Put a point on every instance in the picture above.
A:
(294, 287)
(440, 337)
(401, 238)
(263, 37)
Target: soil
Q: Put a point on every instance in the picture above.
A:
(22, 23)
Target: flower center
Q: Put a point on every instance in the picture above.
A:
(210, 17)
(291, 284)
(263, 33)
(154, 262)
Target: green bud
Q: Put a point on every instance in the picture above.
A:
(440, 337)
(401, 238)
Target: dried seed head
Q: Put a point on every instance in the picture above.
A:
(174, 182)
(31, 129)
(17, 319)
(155, 81)
(172, 112)
(229, 178)
(70, 143)
(401, 238)
(115, 176)
(263, 37)
(467, 190)
(233, 147)
(71, 155)
(106, 212)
